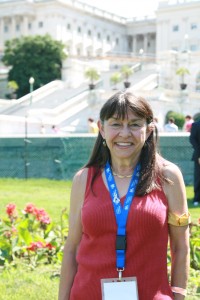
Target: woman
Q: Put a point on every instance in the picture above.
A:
(125, 143)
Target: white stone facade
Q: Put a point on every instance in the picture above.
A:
(178, 26)
(88, 32)
(85, 30)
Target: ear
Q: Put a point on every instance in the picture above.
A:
(150, 129)
(101, 128)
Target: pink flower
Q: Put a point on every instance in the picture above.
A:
(42, 216)
(45, 220)
(49, 246)
(34, 246)
(11, 210)
(30, 208)
(7, 234)
(38, 213)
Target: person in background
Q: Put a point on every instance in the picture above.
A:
(125, 204)
(188, 123)
(195, 141)
(92, 126)
(42, 129)
(157, 124)
(55, 129)
(171, 126)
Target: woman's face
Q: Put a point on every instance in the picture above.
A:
(125, 138)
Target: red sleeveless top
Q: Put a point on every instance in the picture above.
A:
(147, 239)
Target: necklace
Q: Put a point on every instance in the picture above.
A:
(121, 176)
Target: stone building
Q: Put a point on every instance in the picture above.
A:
(84, 29)
(90, 32)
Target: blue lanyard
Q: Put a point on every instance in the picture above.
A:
(121, 213)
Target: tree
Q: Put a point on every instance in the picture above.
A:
(92, 74)
(115, 79)
(33, 56)
(182, 72)
(13, 87)
(126, 72)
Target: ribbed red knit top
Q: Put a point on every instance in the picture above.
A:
(147, 238)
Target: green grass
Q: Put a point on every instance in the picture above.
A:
(195, 211)
(23, 284)
(42, 283)
(52, 195)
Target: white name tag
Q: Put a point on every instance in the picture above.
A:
(114, 289)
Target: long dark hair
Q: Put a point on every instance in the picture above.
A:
(119, 104)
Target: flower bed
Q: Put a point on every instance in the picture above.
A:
(31, 236)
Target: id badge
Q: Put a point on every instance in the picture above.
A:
(115, 289)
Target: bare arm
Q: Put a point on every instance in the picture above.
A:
(69, 264)
(179, 235)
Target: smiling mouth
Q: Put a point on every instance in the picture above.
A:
(124, 144)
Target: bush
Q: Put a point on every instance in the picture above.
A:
(178, 118)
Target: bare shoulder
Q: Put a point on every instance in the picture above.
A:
(81, 176)
(79, 181)
(171, 171)
(175, 190)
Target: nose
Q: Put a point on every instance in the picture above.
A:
(125, 131)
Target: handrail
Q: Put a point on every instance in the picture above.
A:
(48, 88)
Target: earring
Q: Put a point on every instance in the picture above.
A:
(104, 143)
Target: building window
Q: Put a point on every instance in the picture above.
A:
(29, 26)
(108, 38)
(18, 27)
(40, 24)
(68, 26)
(79, 29)
(175, 28)
(198, 82)
(6, 29)
(193, 26)
(89, 32)
(193, 47)
(78, 51)
(117, 41)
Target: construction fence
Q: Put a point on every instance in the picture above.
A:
(61, 157)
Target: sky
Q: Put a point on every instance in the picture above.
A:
(126, 8)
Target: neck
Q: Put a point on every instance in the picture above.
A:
(122, 176)
(123, 169)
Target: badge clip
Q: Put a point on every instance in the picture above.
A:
(120, 273)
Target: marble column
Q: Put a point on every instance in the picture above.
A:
(134, 44)
(25, 26)
(1, 33)
(13, 27)
(145, 43)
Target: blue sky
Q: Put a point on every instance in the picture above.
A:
(126, 8)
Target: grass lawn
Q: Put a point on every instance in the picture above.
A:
(53, 196)
(23, 284)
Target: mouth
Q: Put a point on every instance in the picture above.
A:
(124, 144)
